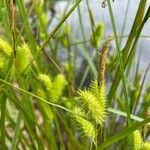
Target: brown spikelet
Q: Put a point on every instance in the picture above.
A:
(11, 14)
(102, 62)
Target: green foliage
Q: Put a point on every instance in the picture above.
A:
(43, 65)
(63, 35)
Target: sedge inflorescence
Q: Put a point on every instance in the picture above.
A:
(93, 101)
(93, 107)
(53, 88)
(136, 142)
(20, 65)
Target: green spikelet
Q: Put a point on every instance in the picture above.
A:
(100, 29)
(95, 102)
(3, 65)
(86, 126)
(95, 37)
(58, 87)
(145, 146)
(135, 141)
(46, 81)
(5, 48)
(23, 57)
(2, 62)
(99, 93)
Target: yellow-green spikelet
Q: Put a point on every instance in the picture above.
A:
(5, 48)
(96, 105)
(135, 141)
(86, 126)
(46, 81)
(59, 85)
(145, 146)
(23, 57)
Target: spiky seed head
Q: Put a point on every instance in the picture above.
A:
(46, 81)
(5, 48)
(135, 140)
(86, 126)
(145, 146)
(23, 57)
(59, 85)
(96, 107)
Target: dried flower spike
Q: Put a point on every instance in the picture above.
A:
(102, 62)
(11, 16)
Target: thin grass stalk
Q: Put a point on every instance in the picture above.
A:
(121, 65)
(17, 130)
(128, 46)
(2, 125)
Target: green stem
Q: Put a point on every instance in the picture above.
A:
(60, 24)
(3, 109)
(81, 25)
(35, 96)
(121, 65)
(17, 129)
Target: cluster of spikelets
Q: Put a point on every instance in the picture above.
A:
(20, 63)
(97, 34)
(136, 142)
(94, 107)
(53, 88)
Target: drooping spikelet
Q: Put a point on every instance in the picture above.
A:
(58, 87)
(135, 141)
(5, 48)
(46, 81)
(86, 126)
(23, 57)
